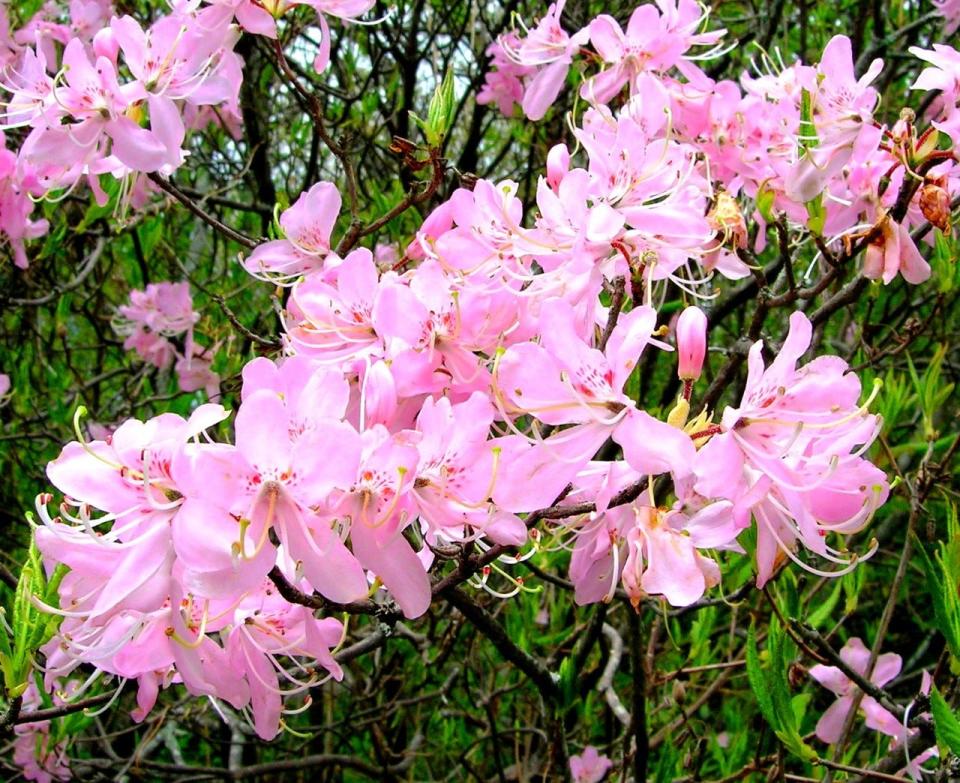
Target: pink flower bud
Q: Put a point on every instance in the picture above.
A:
(558, 164)
(691, 343)
(379, 395)
(105, 44)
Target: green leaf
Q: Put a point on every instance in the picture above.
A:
(942, 574)
(568, 681)
(807, 135)
(816, 215)
(758, 681)
(765, 199)
(770, 687)
(440, 112)
(821, 614)
(945, 723)
(667, 764)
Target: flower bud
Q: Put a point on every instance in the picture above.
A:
(691, 343)
(558, 164)
(105, 44)
(935, 205)
(379, 394)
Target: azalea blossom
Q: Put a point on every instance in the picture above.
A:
(791, 454)
(590, 766)
(856, 655)
(451, 393)
(307, 225)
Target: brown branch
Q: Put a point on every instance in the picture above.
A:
(168, 187)
(641, 738)
(64, 709)
(357, 230)
(487, 624)
(616, 304)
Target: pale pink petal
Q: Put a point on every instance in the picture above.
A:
(392, 559)
(653, 447)
(830, 726)
(543, 90)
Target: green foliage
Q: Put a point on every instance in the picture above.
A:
(943, 584)
(945, 723)
(28, 627)
(440, 113)
(932, 392)
(944, 261)
(896, 399)
(431, 682)
(771, 689)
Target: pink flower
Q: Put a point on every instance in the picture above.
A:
(944, 75)
(562, 380)
(97, 105)
(548, 51)
(267, 627)
(458, 470)
(332, 314)
(307, 226)
(656, 39)
(164, 308)
(590, 766)
(503, 84)
(892, 252)
(151, 347)
(791, 454)
(273, 479)
(260, 18)
(650, 552)
(35, 751)
(856, 655)
(380, 504)
(16, 206)
(950, 11)
(194, 373)
(176, 58)
(842, 118)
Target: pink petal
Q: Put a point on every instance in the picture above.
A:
(653, 447)
(392, 559)
(262, 429)
(136, 147)
(830, 725)
(543, 90)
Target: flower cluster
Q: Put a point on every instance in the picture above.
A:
(117, 99)
(801, 142)
(101, 96)
(162, 311)
(441, 396)
(41, 756)
(437, 405)
(886, 668)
